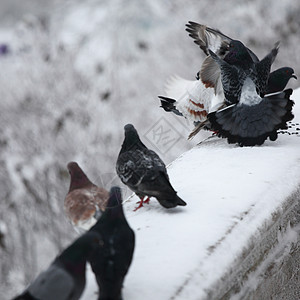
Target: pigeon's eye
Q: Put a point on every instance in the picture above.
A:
(287, 72)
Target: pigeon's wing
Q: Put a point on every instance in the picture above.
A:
(210, 74)
(81, 207)
(155, 161)
(212, 39)
(101, 196)
(232, 79)
(193, 99)
(263, 68)
(208, 38)
(253, 55)
(134, 165)
(54, 283)
(126, 167)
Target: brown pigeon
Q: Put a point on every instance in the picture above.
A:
(85, 201)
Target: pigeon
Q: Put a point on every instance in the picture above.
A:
(191, 99)
(196, 99)
(278, 79)
(85, 201)
(65, 277)
(214, 40)
(111, 260)
(144, 172)
(250, 117)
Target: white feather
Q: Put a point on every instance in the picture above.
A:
(189, 93)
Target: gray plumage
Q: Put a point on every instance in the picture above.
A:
(144, 172)
(241, 72)
(238, 65)
(65, 277)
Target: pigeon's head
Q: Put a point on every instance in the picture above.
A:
(279, 78)
(74, 169)
(129, 129)
(115, 197)
(78, 178)
(285, 73)
(131, 135)
(237, 54)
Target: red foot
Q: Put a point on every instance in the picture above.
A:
(147, 200)
(140, 203)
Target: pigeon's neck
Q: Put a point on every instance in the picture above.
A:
(80, 181)
(77, 269)
(240, 59)
(114, 212)
(132, 143)
(74, 258)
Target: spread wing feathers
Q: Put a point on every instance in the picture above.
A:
(133, 167)
(42, 287)
(193, 99)
(263, 68)
(212, 39)
(210, 74)
(208, 38)
(232, 79)
(252, 125)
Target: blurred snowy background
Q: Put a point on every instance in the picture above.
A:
(73, 73)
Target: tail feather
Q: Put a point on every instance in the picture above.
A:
(198, 127)
(168, 104)
(252, 125)
(171, 202)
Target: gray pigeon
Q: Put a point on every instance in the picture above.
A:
(65, 277)
(278, 79)
(85, 201)
(214, 40)
(250, 118)
(144, 172)
(111, 260)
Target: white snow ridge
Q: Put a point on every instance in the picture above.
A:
(241, 221)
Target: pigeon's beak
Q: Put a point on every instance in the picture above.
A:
(294, 76)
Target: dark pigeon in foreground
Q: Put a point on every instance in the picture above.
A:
(85, 201)
(144, 172)
(111, 261)
(65, 277)
(250, 117)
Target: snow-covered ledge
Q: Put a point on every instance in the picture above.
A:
(239, 235)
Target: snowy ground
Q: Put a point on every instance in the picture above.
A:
(230, 193)
(76, 67)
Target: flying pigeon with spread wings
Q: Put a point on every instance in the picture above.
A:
(196, 99)
(250, 117)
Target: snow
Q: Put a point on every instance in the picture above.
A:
(230, 193)
(76, 73)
